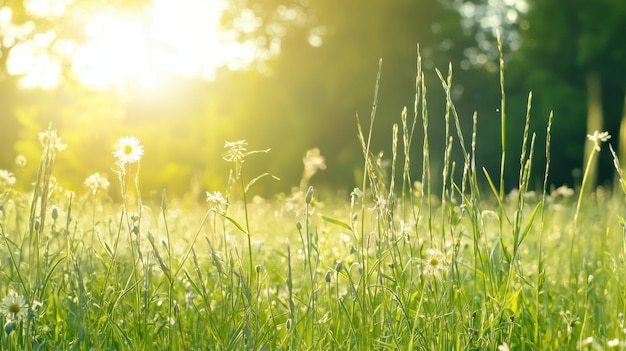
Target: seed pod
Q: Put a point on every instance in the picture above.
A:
(338, 266)
(9, 327)
(309, 196)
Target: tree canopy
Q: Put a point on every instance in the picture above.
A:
(299, 74)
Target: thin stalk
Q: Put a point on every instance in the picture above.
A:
(170, 287)
(367, 161)
(248, 234)
(502, 117)
(540, 275)
(309, 247)
(580, 197)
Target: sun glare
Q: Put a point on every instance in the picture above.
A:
(189, 31)
(183, 37)
(118, 50)
(178, 36)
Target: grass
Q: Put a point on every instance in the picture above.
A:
(396, 264)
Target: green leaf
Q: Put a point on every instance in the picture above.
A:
(193, 284)
(106, 246)
(250, 183)
(337, 222)
(385, 276)
(494, 255)
(530, 222)
(496, 194)
(234, 222)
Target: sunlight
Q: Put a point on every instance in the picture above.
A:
(46, 7)
(176, 36)
(119, 50)
(183, 37)
(189, 29)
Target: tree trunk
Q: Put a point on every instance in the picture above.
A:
(595, 120)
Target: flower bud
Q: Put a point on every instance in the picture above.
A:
(338, 266)
(309, 196)
(9, 327)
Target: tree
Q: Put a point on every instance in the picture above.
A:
(327, 67)
(580, 44)
(34, 54)
(318, 71)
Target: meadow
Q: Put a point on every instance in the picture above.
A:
(442, 261)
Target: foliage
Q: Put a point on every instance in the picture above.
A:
(307, 95)
(399, 263)
(562, 45)
(319, 79)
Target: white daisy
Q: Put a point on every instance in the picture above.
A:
(128, 149)
(435, 262)
(216, 200)
(14, 306)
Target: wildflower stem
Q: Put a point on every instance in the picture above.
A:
(580, 198)
(170, 294)
(583, 186)
(248, 235)
(309, 249)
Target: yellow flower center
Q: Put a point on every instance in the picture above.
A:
(128, 150)
(434, 261)
(14, 308)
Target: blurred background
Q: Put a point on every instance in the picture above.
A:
(185, 76)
